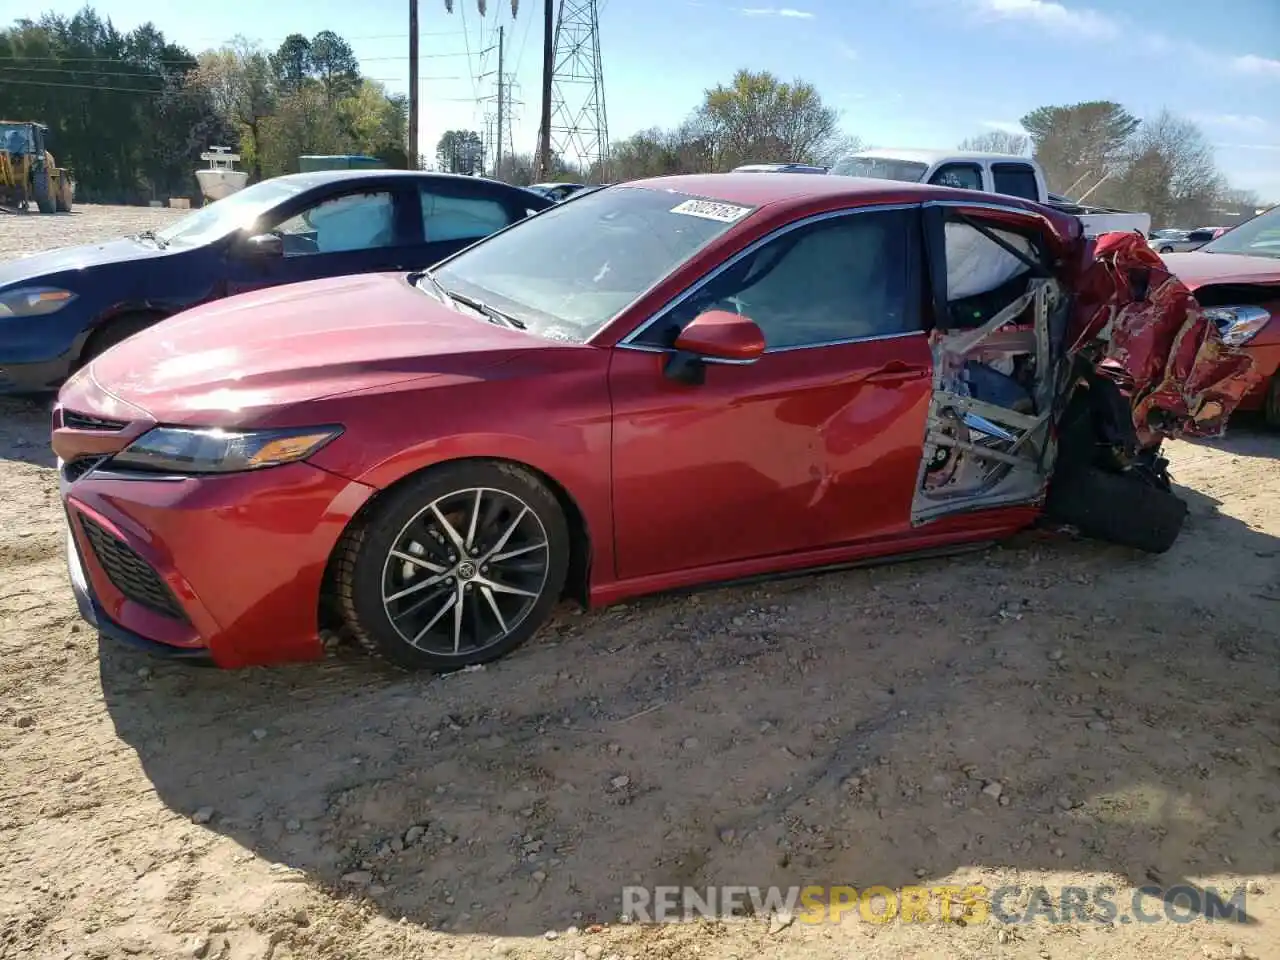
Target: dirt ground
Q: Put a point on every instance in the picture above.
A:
(1049, 713)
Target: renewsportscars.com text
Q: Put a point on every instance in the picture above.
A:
(920, 904)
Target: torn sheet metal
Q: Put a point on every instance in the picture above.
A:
(1182, 380)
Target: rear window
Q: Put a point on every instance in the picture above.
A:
(877, 168)
(1015, 180)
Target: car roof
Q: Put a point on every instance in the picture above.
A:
(751, 189)
(931, 157)
(315, 178)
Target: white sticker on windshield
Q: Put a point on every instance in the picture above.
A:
(712, 210)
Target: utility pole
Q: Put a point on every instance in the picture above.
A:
(497, 154)
(548, 73)
(413, 85)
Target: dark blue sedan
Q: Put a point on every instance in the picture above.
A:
(62, 308)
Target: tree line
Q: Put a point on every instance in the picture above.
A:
(1163, 166)
(130, 113)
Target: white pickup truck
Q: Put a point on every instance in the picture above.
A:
(990, 172)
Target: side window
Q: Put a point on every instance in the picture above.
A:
(964, 176)
(1200, 236)
(461, 218)
(1015, 180)
(845, 278)
(362, 221)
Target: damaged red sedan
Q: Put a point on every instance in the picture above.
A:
(661, 384)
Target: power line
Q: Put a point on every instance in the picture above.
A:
(88, 74)
(143, 61)
(154, 92)
(373, 36)
(528, 23)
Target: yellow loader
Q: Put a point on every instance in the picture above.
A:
(28, 171)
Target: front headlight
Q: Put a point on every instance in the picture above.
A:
(1238, 325)
(184, 450)
(33, 301)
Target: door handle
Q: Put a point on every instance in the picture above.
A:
(896, 372)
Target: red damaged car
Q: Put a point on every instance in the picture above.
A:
(660, 384)
(1236, 279)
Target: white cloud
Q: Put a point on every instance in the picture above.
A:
(1005, 126)
(845, 50)
(1047, 14)
(1261, 66)
(788, 12)
(1248, 146)
(1231, 121)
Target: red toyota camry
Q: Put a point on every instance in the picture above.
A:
(651, 386)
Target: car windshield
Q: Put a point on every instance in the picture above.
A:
(228, 214)
(1259, 237)
(571, 269)
(880, 169)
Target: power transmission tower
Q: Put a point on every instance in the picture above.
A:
(497, 127)
(579, 126)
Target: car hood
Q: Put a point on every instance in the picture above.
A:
(234, 360)
(1198, 269)
(1140, 322)
(71, 259)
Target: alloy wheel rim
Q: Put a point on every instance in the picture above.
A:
(465, 571)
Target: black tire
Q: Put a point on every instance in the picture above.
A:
(40, 187)
(403, 519)
(1118, 508)
(1166, 249)
(1271, 405)
(62, 203)
(115, 331)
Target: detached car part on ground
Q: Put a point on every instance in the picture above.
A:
(654, 386)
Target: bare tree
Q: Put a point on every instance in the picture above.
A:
(1170, 172)
(998, 141)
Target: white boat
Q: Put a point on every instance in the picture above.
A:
(220, 179)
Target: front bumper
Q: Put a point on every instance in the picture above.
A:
(226, 569)
(1265, 351)
(93, 614)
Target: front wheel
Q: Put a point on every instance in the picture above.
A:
(43, 190)
(456, 567)
(1166, 249)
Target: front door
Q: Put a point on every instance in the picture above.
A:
(353, 232)
(815, 444)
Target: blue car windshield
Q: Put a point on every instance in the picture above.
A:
(567, 272)
(229, 214)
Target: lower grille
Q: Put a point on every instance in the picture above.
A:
(76, 469)
(129, 573)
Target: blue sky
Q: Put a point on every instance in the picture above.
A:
(923, 73)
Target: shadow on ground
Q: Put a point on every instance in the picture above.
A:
(1047, 706)
(24, 430)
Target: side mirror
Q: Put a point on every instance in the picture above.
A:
(265, 245)
(721, 335)
(714, 335)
